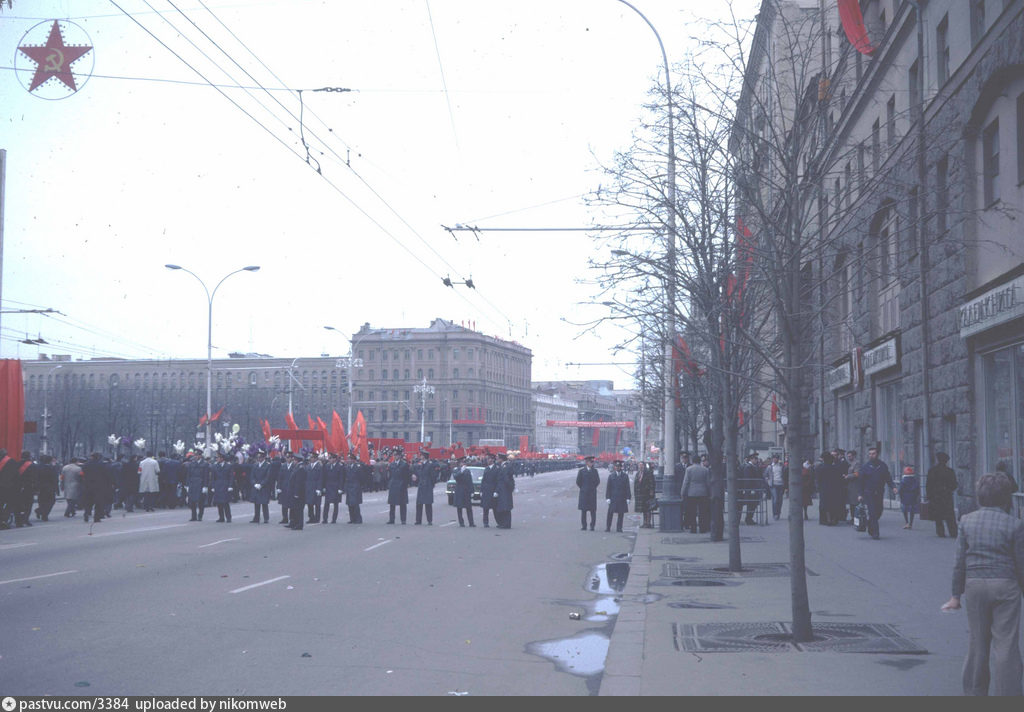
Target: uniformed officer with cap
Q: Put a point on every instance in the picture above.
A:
(504, 486)
(352, 484)
(463, 497)
(588, 479)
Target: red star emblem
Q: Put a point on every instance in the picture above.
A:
(54, 59)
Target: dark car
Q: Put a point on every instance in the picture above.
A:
(478, 473)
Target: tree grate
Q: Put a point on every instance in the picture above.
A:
(675, 570)
(778, 638)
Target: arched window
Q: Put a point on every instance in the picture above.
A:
(885, 233)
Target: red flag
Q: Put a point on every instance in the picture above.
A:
(364, 449)
(216, 416)
(618, 434)
(312, 423)
(853, 26)
(295, 445)
(322, 427)
(265, 424)
(338, 434)
(202, 419)
(12, 406)
(775, 409)
(740, 417)
(596, 440)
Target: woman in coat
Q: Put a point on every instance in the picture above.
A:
(643, 489)
(222, 485)
(910, 496)
(617, 495)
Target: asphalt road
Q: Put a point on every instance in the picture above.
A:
(151, 604)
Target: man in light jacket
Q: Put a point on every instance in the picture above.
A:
(696, 493)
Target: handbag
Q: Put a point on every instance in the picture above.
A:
(860, 517)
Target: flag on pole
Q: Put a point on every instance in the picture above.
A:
(853, 25)
(775, 409)
(295, 445)
(338, 434)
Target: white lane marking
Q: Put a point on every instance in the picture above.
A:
(261, 583)
(136, 531)
(219, 541)
(449, 524)
(33, 578)
(382, 543)
(17, 546)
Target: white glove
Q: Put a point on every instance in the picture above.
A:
(205, 490)
(231, 489)
(279, 491)
(258, 486)
(339, 491)
(608, 501)
(318, 493)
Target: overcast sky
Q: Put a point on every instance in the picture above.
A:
(492, 113)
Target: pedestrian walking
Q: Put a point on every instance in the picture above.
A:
(71, 477)
(750, 485)
(696, 494)
(97, 488)
(828, 480)
(334, 473)
(587, 480)
(644, 493)
(910, 496)
(852, 480)
(617, 496)
(27, 473)
(940, 487)
(776, 478)
(989, 573)
(874, 479)
(462, 498)
(807, 486)
(8, 488)
(47, 482)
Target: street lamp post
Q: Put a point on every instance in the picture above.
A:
(423, 389)
(670, 505)
(46, 411)
(352, 363)
(209, 335)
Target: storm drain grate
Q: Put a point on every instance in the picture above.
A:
(778, 638)
(687, 540)
(674, 570)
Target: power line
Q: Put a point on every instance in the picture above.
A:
(444, 81)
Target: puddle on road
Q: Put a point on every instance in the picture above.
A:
(609, 578)
(582, 654)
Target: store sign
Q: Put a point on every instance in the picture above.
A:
(883, 356)
(840, 376)
(992, 308)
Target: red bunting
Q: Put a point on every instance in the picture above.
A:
(853, 26)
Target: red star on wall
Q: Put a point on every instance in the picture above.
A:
(54, 59)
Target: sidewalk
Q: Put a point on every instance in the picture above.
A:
(665, 631)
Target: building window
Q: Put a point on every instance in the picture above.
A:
(990, 162)
(430, 413)
(876, 147)
(1020, 139)
(455, 354)
(252, 378)
(887, 255)
(888, 417)
(394, 375)
(913, 81)
(471, 373)
(455, 373)
(419, 354)
(890, 122)
(430, 374)
(942, 50)
(371, 374)
(407, 376)
(977, 21)
(1004, 409)
(430, 354)
(383, 355)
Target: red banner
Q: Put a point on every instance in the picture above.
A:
(468, 421)
(590, 423)
(12, 406)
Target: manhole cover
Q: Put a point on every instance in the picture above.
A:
(697, 604)
(700, 582)
(621, 557)
(689, 559)
(674, 570)
(778, 637)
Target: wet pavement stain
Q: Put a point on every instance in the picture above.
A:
(583, 654)
(903, 664)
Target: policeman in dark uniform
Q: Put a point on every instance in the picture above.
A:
(463, 497)
(352, 484)
(430, 469)
(588, 480)
(488, 481)
(398, 486)
(284, 477)
(262, 481)
(297, 493)
(314, 487)
(222, 482)
(333, 475)
(504, 486)
(47, 479)
(97, 487)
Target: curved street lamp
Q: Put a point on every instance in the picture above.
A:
(209, 335)
(352, 363)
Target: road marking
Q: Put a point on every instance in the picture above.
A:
(33, 578)
(17, 546)
(382, 543)
(219, 541)
(261, 583)
(449, 524)
(136, 531)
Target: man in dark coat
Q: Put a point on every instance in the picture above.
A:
(262, 482)
(352, 484)
(750, 486)
(27, 473)
(587, 479)
(168, 480)
(617, 495)
(47, 480)
(940, 487)
(97, 487)
(197, 484)
(488, 481)
(222, 482)
(828, 481)
(8, 487)
(334, 473)
(296, 495)
(504, 486)
(399, 477)
(874, 478)
(314, 487)
(430, 469)
(283, 485)
(463, 496)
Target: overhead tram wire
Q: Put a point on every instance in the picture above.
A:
(302, 158)
(394, 211)
(444, 80)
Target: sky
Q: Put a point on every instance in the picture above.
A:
(497, 114)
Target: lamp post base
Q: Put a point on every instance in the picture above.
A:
(670, 515)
